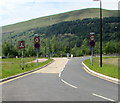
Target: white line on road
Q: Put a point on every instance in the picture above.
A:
(102, 97)
(68, 83)
(59, 74)
(61, 71)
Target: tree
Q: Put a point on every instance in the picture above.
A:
(9, 50)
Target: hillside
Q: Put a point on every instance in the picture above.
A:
(63, 33)
(53, 19)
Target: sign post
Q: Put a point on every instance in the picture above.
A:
(92, 55)
(92, 44)
(22, 46)
(37, 44)
(22, 60)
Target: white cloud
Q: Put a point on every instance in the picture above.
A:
(13, 11)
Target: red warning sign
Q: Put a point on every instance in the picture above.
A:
(21, 44)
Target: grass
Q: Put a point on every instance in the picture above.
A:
(12, 66)
(109, 69)
(53, 19)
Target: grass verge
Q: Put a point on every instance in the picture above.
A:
(12, 66)
(109, 69)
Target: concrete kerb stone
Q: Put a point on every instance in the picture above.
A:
(21, 74)
(101, 75)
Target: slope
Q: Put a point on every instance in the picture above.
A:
(53, 19)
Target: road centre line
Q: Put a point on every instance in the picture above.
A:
(102, 97)
(68, 84)
(60, 74)
(65, 81)
(61, 71)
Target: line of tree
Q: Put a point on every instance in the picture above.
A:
(57, 46)
(67, 37)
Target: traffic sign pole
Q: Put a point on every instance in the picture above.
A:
(37, 55)
(92, 44)
(37, 45)
(22, 46)
(22, 60)
(92, 55)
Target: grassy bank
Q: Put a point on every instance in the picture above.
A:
(12, 66)
(109, 68)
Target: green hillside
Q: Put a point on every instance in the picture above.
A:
(63, 33)
(53, 19)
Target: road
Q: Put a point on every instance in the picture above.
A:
(54, 83)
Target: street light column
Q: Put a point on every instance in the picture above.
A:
(100, 33)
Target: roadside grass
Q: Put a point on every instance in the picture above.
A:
(108, 69)
(12, 66)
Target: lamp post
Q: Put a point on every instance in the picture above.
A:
(100, 32)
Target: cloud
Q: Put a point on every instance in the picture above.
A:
(13, 11)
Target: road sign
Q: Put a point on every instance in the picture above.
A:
(92, 43)
(36, 39)
(92, 37)
(21, 44)
(37, 45)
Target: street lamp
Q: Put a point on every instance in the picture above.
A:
(100, 32)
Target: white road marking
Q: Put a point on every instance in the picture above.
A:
(102, 97)
(59, 74)
(68, 84)
(61, 71)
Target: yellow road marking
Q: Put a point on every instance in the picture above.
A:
(99, 76)
(15, 78)
(22, 75)
(45, 69)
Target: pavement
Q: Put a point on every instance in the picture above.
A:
(63, 80)
(55, 67)
(39, 60)
(102, 76)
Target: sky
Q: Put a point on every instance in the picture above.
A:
(14, 11)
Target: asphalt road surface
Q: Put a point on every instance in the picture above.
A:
(72, 84)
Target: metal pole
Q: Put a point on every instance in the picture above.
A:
(49, 49)
(45, 49)
(37, 56)
(92, 55)
(22, 60)
(100, 33)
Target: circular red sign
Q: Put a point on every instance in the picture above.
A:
(36, 39)
(92, 37)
